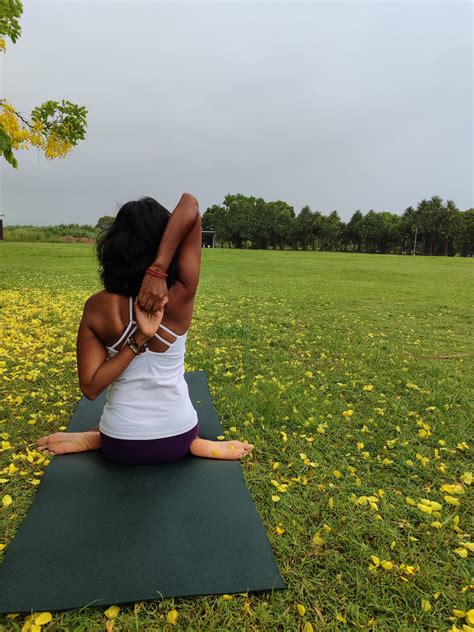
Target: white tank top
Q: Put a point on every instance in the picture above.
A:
(150, 399)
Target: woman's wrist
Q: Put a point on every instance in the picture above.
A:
(140, 339)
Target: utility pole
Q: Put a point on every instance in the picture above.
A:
(414, 247)
(1, 226)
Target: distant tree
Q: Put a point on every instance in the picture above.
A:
(464, 241)
(239, 214)
(352, 234)
(104, 222)
(305, 228)
(216, 218)
(408, 226)
(282, 215)
(448, 227)
(54, 127)
(331, 231)
(260, 224)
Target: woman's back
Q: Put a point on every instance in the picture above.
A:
(150, 399)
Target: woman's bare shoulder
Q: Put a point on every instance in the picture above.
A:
(99, 300)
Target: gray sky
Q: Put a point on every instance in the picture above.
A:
(339, 105)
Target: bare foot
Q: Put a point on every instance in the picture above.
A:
(229, 450)
(66, 442)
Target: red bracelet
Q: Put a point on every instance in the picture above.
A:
(161, 275)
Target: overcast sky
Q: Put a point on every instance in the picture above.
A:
(339, 105)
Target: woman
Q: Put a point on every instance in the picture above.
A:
(123, 344)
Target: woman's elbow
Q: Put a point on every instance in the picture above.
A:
(88, 392)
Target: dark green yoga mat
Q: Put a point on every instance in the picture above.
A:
(101, 533)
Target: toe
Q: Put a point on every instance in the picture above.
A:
(42, 441)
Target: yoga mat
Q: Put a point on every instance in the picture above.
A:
(101, 533)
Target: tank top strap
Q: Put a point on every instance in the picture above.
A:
(171, 332)
(129, 327)
(130, 302)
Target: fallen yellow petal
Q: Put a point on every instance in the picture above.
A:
(43, 618)
(301, 609)
(172, 616)
(112, 612)
(456, 488)
(7, 500)
(451, 500)
(318, 540)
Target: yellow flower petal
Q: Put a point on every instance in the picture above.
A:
(453, 489)
(301, 609)
(461, 551)
(318, 540)
(275, 498)
(7, 500)
(308, 627)
(425, 605)
(172, 616)
(451, 500)
(112, 612)
(43, 618)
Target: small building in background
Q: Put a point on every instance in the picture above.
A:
(208, 237)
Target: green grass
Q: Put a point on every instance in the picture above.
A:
(288, 340)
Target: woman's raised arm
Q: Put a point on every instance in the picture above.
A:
(154, 290)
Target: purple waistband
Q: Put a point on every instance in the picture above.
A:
(147, 451)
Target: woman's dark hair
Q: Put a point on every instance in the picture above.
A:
(129, 245)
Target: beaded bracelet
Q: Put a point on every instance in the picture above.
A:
(135, 347)
(161, 275)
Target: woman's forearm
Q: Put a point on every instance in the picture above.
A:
(179, 224)
(111, 369)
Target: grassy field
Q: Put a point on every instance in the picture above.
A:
(352, 376)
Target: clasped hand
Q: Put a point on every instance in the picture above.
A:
(150, 304)
(148, 322)
(153, 292)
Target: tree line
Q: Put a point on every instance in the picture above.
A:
(250, 222)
